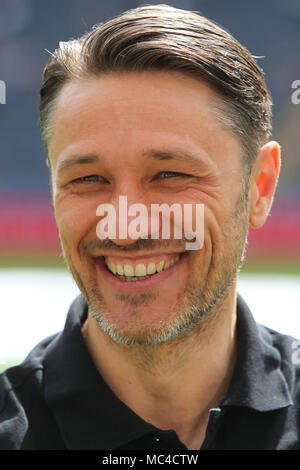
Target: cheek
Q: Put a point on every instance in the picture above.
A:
(75, 220)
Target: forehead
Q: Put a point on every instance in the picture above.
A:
(136, 110)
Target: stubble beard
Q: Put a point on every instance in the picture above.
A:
(197, 306)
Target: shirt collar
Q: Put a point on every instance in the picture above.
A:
(90, 416)
(258, 381)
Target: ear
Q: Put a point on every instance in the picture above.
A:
(48, 162)
(264, 177)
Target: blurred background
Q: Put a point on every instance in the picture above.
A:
(35, 287)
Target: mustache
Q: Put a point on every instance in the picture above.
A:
(93, 247)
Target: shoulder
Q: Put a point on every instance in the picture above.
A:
(287, 348)
(21, 399)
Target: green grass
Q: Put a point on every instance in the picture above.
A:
(9, 363)
(286, 266)
(31, 260)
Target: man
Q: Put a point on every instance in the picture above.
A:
(159, 352)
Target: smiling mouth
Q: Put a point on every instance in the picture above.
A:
(137, 272)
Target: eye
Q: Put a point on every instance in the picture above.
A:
(89, 179)
(171, 174)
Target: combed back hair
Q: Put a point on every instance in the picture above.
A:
(164, 38)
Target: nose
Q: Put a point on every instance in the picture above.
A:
(126, 217)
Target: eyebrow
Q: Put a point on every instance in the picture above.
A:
(77, 160)
(171, 154)
(175, 154)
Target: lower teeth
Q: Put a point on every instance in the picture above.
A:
(131, 278)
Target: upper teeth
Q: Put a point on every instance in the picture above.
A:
(141, 269)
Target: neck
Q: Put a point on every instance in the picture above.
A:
(172, 385)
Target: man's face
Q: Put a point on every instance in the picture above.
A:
(135, 129)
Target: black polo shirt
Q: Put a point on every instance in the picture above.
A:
(56, 399)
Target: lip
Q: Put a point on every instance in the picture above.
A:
(155, 279)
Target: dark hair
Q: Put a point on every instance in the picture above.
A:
(164, 38)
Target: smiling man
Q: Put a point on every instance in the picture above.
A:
(159, 351)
